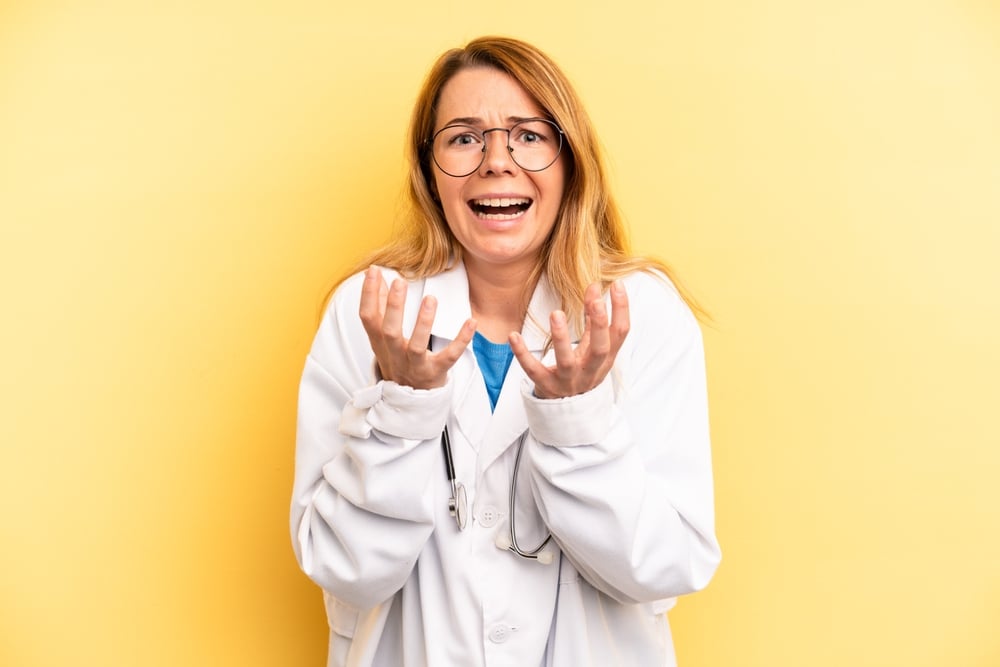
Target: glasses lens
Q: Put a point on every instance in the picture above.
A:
(458, 149)
(535, 144)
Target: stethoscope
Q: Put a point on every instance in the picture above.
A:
(458, 503)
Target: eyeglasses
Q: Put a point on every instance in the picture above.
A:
(533, 144)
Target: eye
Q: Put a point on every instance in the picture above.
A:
(460, 136)
(463, 139)
(532, 133)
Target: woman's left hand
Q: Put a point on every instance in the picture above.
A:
(579, 369)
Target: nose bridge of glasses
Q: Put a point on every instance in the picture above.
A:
(506, 138)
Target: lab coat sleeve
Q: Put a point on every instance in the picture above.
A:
(622, 474)
(365, 452)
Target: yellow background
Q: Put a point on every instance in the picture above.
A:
(179, 181)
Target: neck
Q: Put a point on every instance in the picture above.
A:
(499, 299)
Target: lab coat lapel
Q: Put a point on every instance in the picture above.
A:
(451, 289)
(508, 421)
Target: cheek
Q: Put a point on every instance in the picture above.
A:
(446, 190)
(557, 188)
(558, 181)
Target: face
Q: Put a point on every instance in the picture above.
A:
(500, 213)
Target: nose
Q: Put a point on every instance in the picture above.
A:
(497, 152)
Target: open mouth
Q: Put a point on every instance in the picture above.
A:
(504, 208)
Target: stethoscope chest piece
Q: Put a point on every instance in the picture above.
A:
(458, 505)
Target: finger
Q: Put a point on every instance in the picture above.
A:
(620, 319)
(584, 344)
(383, 295)
(531, 366)
(593, 292)
(597, 313)
(421, 336)
(561, 343)
(392, 321)
(449, 355)
(370, 310)
(596, 354)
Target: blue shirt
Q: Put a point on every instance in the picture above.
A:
(494, 360)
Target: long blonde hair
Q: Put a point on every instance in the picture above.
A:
(588, 242)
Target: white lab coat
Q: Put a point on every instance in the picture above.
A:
(621, 477)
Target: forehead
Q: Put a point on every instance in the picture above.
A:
(486, 94)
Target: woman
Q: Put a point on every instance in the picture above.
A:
(491, 468)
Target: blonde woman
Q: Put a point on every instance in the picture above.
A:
(503, 453)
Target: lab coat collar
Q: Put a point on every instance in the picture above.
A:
(543, 302)
(451, 289)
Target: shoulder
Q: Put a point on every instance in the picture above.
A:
(654, 297)
(662, 327)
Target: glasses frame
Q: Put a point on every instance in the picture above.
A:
(510, 150)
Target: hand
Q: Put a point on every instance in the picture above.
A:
(579, 370)
(406, 362)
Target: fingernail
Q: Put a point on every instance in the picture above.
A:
(618, 287)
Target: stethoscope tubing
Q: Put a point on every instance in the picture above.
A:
(457, 504)
(514, 547)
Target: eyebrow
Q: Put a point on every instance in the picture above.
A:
(475, 122)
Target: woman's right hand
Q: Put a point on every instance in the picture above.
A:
(407, 362)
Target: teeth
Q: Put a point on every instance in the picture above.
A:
(504, 201)
(498, 216)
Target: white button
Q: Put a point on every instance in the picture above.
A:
(500, 633)
(488, 516)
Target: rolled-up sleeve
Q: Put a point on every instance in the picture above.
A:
(622, 475)
(365, 451)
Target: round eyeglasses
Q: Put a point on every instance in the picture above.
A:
(533, 144)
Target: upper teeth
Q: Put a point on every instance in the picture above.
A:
(501, 201)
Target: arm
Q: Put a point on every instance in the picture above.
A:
(366, 451)
(622, 472)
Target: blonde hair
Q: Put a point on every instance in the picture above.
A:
(588, 242)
